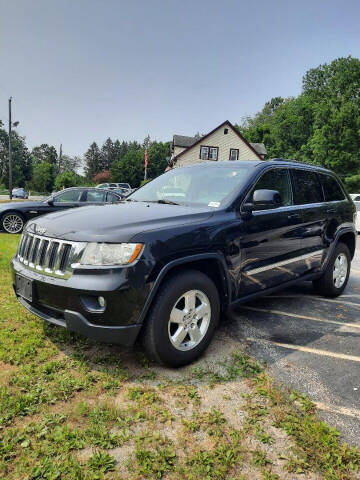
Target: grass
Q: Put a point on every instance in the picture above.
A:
(71, 408)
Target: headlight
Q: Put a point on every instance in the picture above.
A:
(111, 253)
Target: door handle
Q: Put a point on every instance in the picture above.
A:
(331, 210)
(294, 216)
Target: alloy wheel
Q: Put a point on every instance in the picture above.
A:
(189, 320)
(340, 270)
(13, 223)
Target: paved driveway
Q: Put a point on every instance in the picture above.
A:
(312, 344)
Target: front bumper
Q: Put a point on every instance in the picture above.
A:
(75, 322)
(71, 303)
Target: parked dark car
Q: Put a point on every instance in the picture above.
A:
(20, 193)
(163, 269)
(13, 216)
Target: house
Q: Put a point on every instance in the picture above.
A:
(225, 142)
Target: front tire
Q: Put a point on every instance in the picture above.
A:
(12, 222)
(335, 278)
(182, 319)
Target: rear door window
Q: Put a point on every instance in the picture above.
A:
(332, 190)
(306, 187)
(112, 198)
(95, 196)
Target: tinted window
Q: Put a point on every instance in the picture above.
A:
(307, 187)
(69, 196)
(332, 189)
(111, 198)
(276, 179)
(95, 196)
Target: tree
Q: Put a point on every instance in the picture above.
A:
(65, 180)
(44, 153)
(352, 183)
(68, 164)
(102, 177)
(42, 179)
(157, 154)
(108, 154)
(321, 125)
(130, 168)
(20, 156)
(92, 161)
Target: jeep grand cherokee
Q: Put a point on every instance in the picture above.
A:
(161, 266)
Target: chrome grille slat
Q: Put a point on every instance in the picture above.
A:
(28, 248)
(21, 245)
(44, 248)
(49, 256)
(53, 254)
(59, 255)
(35, 250)
(24, 245)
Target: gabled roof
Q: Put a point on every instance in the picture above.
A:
(183, 141)
(259, 147)
(198, 140)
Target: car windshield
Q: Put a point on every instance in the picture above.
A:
(194, 185)
(357, 204)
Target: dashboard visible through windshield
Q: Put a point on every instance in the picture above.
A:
(199, 186)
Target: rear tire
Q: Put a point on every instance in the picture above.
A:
(335, 278)
(182, 319)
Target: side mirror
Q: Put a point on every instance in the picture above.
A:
(263, 199)
(51, 201)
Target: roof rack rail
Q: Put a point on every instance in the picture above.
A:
(287, 160)
(295, 161)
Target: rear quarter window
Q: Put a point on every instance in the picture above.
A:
(332, 189)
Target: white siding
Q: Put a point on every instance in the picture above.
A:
(224, 142)
(177, 150)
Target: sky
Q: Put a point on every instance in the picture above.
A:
(83, 70)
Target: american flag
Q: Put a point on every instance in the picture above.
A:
(146, 158)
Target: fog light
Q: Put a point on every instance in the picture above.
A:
(102, 301)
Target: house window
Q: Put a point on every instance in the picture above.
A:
(209, 153)
(204, 153)
(234, 154)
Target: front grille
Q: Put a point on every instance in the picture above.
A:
(49, 256)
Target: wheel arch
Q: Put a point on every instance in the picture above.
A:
(212, 264)
(348, 237)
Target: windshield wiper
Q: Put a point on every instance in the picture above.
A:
(166, 202)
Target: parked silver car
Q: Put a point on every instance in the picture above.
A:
(20, 193)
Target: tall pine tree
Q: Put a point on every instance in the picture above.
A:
(93, 163)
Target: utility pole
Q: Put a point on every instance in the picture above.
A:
(10, 153)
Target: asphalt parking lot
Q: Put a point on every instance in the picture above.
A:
(312, 344)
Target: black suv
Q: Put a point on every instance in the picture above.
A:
(162, 265)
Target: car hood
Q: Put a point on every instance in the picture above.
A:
(115, 222)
